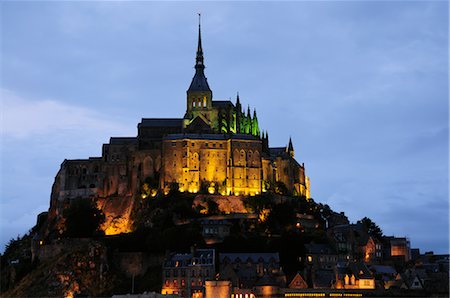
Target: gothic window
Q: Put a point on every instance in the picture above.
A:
(242, 158)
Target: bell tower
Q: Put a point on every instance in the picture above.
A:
(199, 95)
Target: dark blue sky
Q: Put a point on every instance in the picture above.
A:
(362, 88)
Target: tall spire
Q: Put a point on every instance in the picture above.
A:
(199, 82)
(199, 59)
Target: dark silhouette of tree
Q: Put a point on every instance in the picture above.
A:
(83, 218)
(213, 207)
(372, 228)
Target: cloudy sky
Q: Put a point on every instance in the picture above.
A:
(362, 88)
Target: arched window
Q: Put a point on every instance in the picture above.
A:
(242, 157)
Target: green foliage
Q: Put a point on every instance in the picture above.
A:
(276, 187)
(15, 262)
(257, 203)
(83, 219)
(372, 228)
(150, 187)
(281, 216)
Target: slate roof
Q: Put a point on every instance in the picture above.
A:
(195, 136)
(354, 268)
(254, 257)
(199, 82)
(186, 258)
(222, 104)
(208, 136)
(383, 269)
(277, 151)
(215, 222)
(161, 122)
(122, 140)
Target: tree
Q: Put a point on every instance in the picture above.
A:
(83, 218)
(372, 229)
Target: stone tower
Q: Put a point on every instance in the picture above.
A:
(199, 95)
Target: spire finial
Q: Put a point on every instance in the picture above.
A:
(199, 58)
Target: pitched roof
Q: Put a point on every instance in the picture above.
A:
(161, 122)
(383, 269)
(267, 257)
(222, 103)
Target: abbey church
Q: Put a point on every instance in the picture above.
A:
(217, 146)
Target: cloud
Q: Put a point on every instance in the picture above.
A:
(23, 118)
(36, 136)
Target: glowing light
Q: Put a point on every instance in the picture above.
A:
(263, 214)
(41, 242)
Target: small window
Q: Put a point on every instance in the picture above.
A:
(174, 144)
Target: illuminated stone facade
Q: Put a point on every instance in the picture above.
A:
(216, 146)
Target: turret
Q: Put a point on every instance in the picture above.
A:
(238, 114)
(255, 126)
(290, 148)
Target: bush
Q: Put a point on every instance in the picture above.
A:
(83, 219)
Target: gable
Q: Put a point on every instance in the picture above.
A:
(298, 282)
(199, 124)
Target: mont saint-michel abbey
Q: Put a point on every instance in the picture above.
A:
(217, 146)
